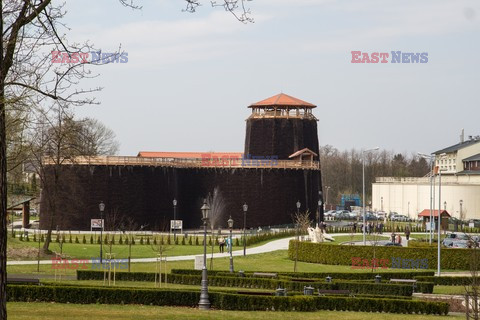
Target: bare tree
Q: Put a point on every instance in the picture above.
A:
(31, 30)
(302, 221)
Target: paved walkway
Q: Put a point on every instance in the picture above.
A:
(280, 244)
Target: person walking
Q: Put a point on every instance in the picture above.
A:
(407, 232)
(221, 244)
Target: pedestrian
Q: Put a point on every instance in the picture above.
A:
(407, 232)
(354, 227)
(399, 239)
(221, 244)
(229, 244)
(393, 236)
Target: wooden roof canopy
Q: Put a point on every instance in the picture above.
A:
(282, 101)
(282, 106)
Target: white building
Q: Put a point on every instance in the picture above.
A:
(460, 193)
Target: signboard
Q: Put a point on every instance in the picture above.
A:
(198, 263)
(176, 224)
(96, 223)
(430, 226)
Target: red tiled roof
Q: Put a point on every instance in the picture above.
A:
(282, 100)
(184, 155)
(426, 213)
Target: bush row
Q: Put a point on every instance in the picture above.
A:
(224, 301)
(265, 283)
(458, 259)
(449, 281)
(407, 274)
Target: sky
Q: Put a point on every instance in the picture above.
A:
(190, 76)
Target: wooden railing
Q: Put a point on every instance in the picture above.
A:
(187, 162)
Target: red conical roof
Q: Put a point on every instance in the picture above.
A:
(282, 100)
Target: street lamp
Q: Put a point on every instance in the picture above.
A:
(445, 205)
(461, 212)
(439, 215)
(363, 200)
(245, 209)
(432, 191)
(230, 226)
(204, 303)
(320, 215)
(320, 211)
(101, 206)
(174, 220)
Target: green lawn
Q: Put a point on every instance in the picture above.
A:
(88, 251)
(36, 310)
(271, 261)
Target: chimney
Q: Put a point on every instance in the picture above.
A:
(462, 136)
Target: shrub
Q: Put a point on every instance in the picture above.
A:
(98, 240)
(141, 240)
(237, 242)
(196, 241)
(355, 287)
(183, 240)
(169, 241)
(91, 239)
(190, 241)
(120, 241)
(76, 240)
(84, 239)
(219, 300)
(148, 240)
(446, 281)
(322, 275)
(342, 255)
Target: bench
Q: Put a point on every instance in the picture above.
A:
(264, 275)
(323, 292)
(255, 293)
(23, 281)
(411, 281)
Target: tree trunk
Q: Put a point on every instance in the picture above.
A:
(3, 202)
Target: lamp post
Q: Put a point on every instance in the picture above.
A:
(174, 220)
(245, 209)
(381, 203)
(363, 200)
(320, 211)
(230, 226)
(204, 303)
(101, 206)
(320, 215)
(432, 192)
(296, 234)
(445, 205)
(461, 212)
(439, 216)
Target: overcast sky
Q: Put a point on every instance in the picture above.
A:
(190, 77)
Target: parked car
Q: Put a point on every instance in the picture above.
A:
(329, 213)
(399, 217)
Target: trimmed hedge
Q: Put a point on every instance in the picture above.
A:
(265, 283)
(319, 275)
(224, 301)
(448, 281)
(458, 259)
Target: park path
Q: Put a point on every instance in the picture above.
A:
(280, 244)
